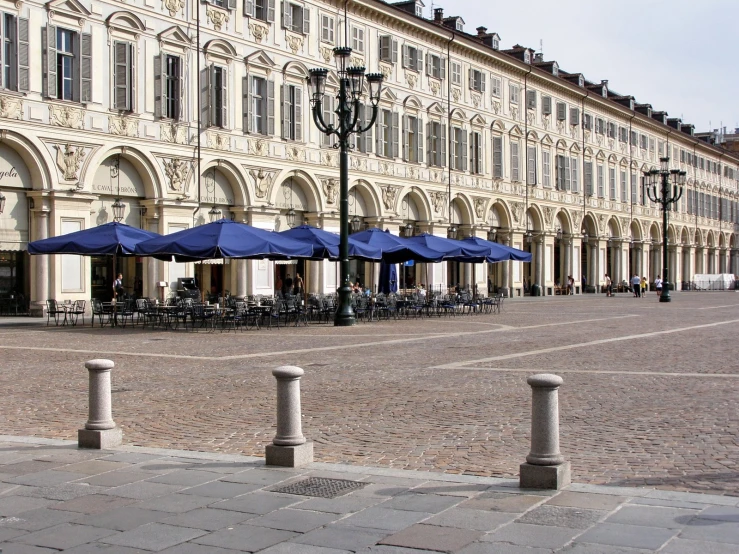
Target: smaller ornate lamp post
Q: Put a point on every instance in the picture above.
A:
(663, 178)
(214, 214)
(493, 233)
(2, 202)
(351, 90)
(451, 233)
(118, 207)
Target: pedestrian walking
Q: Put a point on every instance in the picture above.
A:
(609, 285)
(644, 286)
(570, 285)
(658, 285)
(636, 285)
(298, 284)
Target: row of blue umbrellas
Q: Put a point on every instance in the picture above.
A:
(228, 239)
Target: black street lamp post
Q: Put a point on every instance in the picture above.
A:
(664, 177)
(351, 89)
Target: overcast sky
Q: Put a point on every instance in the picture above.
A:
(681, 56)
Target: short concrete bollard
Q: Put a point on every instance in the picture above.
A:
(289, 448)
(546, 468)
(100, 430)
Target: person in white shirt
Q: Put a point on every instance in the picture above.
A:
(658, 285)
(636, 284)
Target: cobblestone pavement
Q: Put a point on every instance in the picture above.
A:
(136, 500)
(650, 392)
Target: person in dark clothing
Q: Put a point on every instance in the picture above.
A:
(288, 284)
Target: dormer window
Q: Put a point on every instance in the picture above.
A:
(555, 69)
(495, 42)
(459, 26)
(581, 81)
(527, 57)
(419, 10)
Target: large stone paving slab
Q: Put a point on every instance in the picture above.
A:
(372, 394)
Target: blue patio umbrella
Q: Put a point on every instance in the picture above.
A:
(396, 249)
(451, 249)
(110, 239)
(224, 239)
(388, 282)
(498, 252)
(326, 244)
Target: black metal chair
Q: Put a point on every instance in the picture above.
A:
(103, 314)
(53, 310)
(77, 310)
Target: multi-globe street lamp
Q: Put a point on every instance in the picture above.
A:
(351, 91)
(664, 178)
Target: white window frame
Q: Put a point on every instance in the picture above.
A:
(456, 70)
(513, 93)
(546, 168)
(495, 86)
(328, 28)
(357, 38)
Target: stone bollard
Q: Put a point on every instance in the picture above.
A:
(100, 430)
(289, 448)
(545, 467)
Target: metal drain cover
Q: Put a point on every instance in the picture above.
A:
(320, 487)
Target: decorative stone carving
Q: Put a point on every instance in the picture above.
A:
(573, 131)
(546, 121)
(622, 146)
(68, 160)
(435, 86)
(548, 215)
(262, 181)
(476, 100)
(258, 31)
(356, 61)
(217, 17)
(530, 117)
(438, 201)
(480, 207)
(329, 189)
(327, 54)
(294, 42)
(123, 126)
(587, 134)
(602, 220)
(11, 108)
(456, 94)
(411, 78)
(517, 209)
(358, 163)
(625, 227)
(610, 143)
(599, 139)
(385, 68)
(434, 175)
(176, 171)
(219, 141)
(295, 154)
(496, 107)
(386, 168)
(173, 6)
(174, 133)
(560, 127)
(67, 116)
(389, 196)
(329, 158)
(577, 219)
(514, 113)
(412, 172)
(258, 147)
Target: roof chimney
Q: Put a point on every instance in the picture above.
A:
(538, 57)
(438, 15)
(482, 31)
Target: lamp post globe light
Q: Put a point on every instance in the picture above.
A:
(658, 183)
(351, 90)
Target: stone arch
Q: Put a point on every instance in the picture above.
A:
(710, 241)
(672, 234)
(219, 47)
(37, 160)
(295, 69)
(499, 215)
(497, 126)
(684, 236)
(534, 218)
(564, 220)
(533, 135)
(561, 144)
(412, 102)
(464, 208)
(614, 228)
(235, 179)
(589, 225)
(654, 233)
(458, 113)
(125, 20)
(698, 238)
(721, 240)
(146, 168)
(307, 184)
(369, 196)
(421, 202)
(635, 230)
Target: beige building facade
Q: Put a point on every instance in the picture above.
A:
(102, 100)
